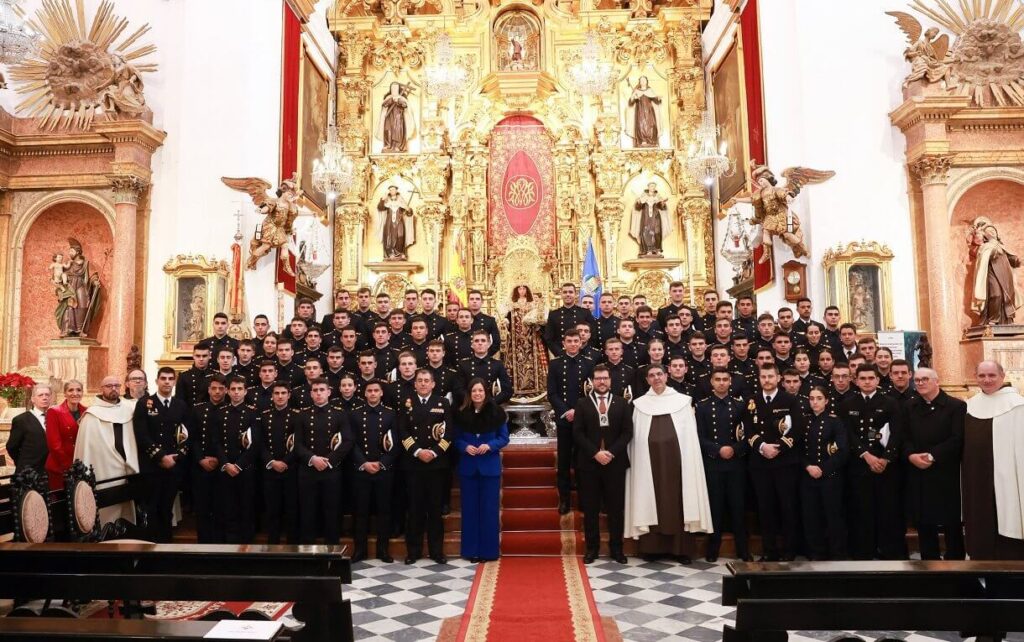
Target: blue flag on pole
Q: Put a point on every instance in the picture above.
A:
(592, 283)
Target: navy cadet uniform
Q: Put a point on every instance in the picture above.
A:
(387, 360)
(667, 312)
(426, 425)
(320, 431)
(821, 500)
(633, 353)
(490, 370)
(437, 325)
(216, 343)
(375, 429)
(280, 490)
(682, 386)
(747, 370)
(419, 350)
(698, 371)
(458, 346)
(399, 394)
(604, 328)
(724, 422)
(291, 373)
(561, 321)
(836, 399)
(875, 509)
(239, 433)
(676, 349)
(259, 396)
(487, 323)
(622, 379)
(204, 434)
(160, 431)
(746, 326)
(444, 380)
(193, 386)
(301, 397)
(567, 378)
(776, 481)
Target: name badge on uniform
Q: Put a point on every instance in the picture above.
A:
(437, 410)
(603, 420)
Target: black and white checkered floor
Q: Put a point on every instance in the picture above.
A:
(649, 601)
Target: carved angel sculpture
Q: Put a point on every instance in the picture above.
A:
(926, 52)
(771, 205)
(280, 211)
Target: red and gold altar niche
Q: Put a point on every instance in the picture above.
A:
(473, 125)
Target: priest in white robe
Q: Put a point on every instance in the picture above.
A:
(993, 468)
(666, 491)
(106, 442)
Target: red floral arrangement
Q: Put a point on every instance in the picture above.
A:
(15, 388)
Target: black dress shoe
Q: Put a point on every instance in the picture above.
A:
(411, 560)
(619, 557)
(384, 557)
(358, 556)
(440, 559)
(589, 557)
(710, 559)
(446, 510)
(563, 507)
(684, 559)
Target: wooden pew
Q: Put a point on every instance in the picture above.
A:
(309, 576)
(984, 599)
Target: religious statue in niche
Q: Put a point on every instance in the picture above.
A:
(396, 225)
(650, 223)
(395, 125)
(195, 320)
(279, 214)
(772, 205)
(517, 36)
(643, 123)
(994, 297)
(863, 286)
(77, 288)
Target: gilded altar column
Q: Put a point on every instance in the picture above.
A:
(944, 306)
(609, 220)
(127, 188)
(350, 230)
(433, 215)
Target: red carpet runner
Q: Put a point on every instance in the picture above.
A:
(531, 598)
(530, 523)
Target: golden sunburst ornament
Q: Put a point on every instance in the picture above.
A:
(986, 61)
(79, 72)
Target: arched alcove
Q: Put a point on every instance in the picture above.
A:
(47, 235)
(1002, 201)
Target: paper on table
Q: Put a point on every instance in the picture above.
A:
(244, 630)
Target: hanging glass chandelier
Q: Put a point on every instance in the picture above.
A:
(591, 75)
(333, 172)
(444, 77)
(17, 40)
(706, 163)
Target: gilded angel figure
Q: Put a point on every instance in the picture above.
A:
(279, 210)
(772, 205)
(927, 51)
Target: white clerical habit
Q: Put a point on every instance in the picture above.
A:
(641, 507)
(95, 447)
(1005, 408)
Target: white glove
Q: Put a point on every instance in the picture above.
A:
(884, 433)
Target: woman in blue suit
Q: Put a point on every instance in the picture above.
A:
(483, 432)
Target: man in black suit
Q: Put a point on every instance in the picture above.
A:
(426, 430)
(162, 438)
(874, 425)
(27, 443)
(776, 434)
(602, 427)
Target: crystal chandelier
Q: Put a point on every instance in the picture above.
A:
(706, 163)
(17, 40)
(333, 172)
(591, 75)
(445, 78)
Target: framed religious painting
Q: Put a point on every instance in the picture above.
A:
(196, 290)
(314, 101)
(730, 104)
(858, 281)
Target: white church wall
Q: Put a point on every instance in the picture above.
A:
(827, 98)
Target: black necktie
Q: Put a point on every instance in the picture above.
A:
(167, 403)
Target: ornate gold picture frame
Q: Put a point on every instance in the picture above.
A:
(314, 100)
(196, 290)
(858, 280)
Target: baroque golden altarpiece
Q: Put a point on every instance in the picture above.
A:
(517, 58)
